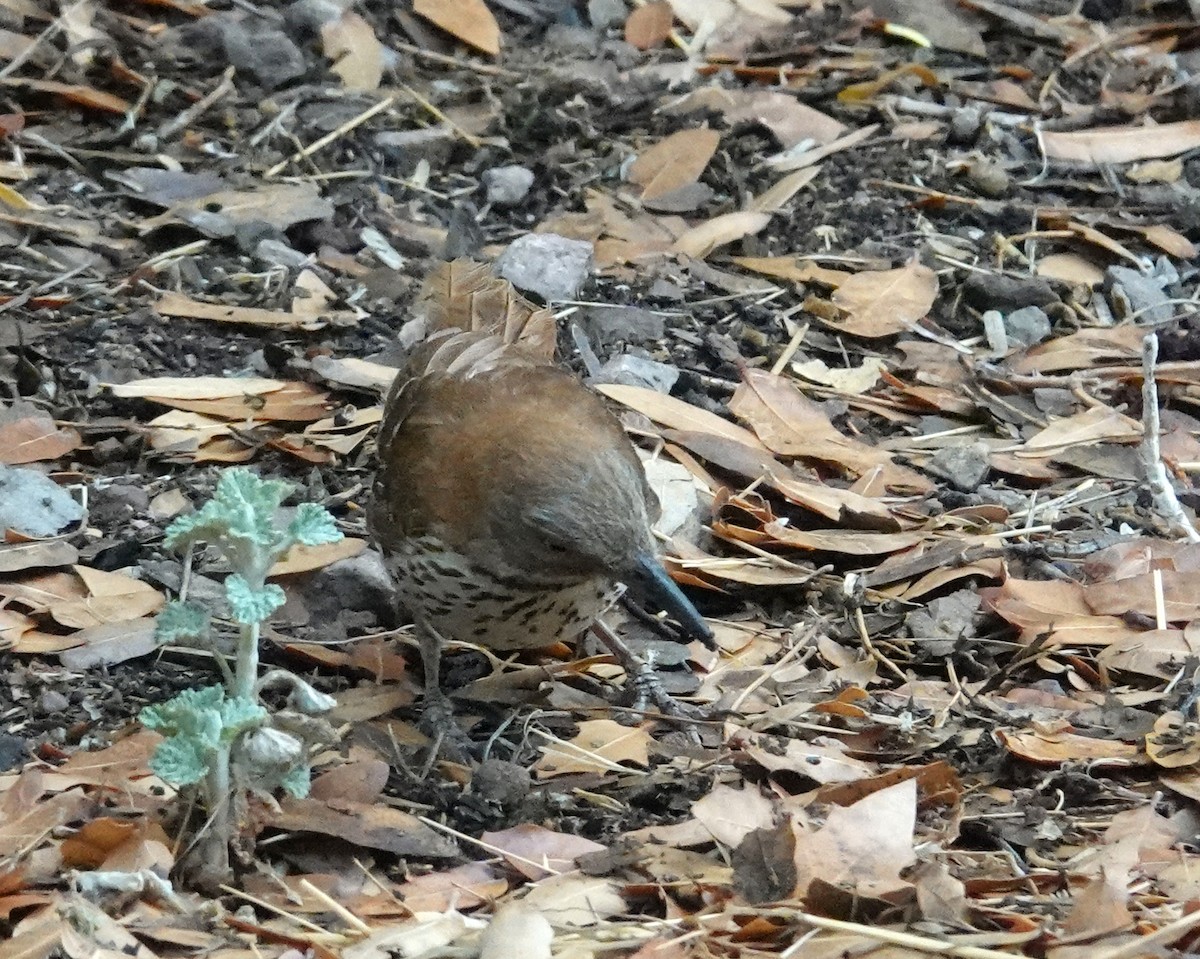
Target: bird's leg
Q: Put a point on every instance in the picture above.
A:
(437, 712)
(647, 687)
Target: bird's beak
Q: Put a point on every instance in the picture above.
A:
(652, 586)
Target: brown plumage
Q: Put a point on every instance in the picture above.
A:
(510, 501)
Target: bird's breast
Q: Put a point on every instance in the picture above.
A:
(500, 608)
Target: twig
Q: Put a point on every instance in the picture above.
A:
(441, 117)
(170, 128)
(1145, 945)
(939, 947)
(1165, 501)
(18, 61)
(331, 136)
(484, 68)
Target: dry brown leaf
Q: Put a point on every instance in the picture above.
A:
(1093, 425)
(1054, 748)
(196, 387)
(176, 304)
(649, 26)
(1070, 268)
(776, 196)
(721, 230)
(677, 414)
(351, 42)
(882, 303)
(575, 900)
(1103, 145)
(35, 438)
(304, 559)
(463, 887)
(111, 598)
(600, 747)
(109, 643)
(1053, 613)
(371, 826)
(83, 96)
(864, 846)
(1175, 741)
(731, 814)
(790, 424)
(536, 852)
(468, 20)
(674, 162)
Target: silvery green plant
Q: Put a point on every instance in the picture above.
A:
(222, 738)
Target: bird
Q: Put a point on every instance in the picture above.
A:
(509, 502)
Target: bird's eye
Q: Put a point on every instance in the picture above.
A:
(556, 547)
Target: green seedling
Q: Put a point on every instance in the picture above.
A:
(221, 739)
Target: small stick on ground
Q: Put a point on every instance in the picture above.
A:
(1150, 453)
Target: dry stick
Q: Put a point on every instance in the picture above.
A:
(1144, 945)
(473, 140)
(1165, 501)
(18, 61)
(170, 128)
(919, 943)
(331, 136)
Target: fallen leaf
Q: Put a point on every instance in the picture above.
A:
(883, 303)
(721, 230)
(35, 438)
(357, 53)
(600, 747)
(468, 20)
(1102, 145)
(650, 25)
(674, 162)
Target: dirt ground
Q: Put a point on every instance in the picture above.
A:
(956, 694)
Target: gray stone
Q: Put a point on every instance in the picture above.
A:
(277, 253)
(1136, 296)
(52, 701)
(630, 370)
(609, 325)
(552, 266)
(358, 584)
(992, 291)
(13, 751)
(407, 148)
(964, 467)
(507, 185)
(266, 54)
(33, 505)
(1027, 326)
(607, 13)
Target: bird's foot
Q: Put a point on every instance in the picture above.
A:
(450, 740)
(650, 695)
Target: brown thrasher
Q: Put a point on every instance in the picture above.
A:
(509, 500)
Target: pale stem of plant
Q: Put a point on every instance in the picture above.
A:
(247, 660)
(1163, 492)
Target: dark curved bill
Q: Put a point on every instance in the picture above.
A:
(652, 587)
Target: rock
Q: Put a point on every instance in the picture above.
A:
(552, 266)
(964, 467)
(606, 13)
(407, 148)
(263, 52)
(507, 185)
(34, 505)
(992, 291)
(277, 253)
(503, 783)
(631, 370)
(1027, 326)
(1136, 296)
(13, 751)
(609, 325)
(358, 584)
(306, 17)
(52, 701)
(115, 505)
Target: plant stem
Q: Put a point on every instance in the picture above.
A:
(247, 661)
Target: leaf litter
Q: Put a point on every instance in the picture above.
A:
(879, 286)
